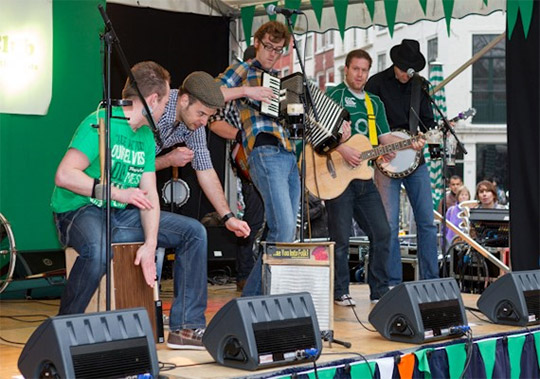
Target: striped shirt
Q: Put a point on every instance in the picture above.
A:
(173, 132)
(253, 123)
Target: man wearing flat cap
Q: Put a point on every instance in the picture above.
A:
(183, 121)
(402, 92)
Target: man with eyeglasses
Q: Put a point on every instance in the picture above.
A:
(271, 156)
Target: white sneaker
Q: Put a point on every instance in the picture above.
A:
(345, 301)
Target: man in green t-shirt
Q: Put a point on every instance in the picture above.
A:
(135, 212)
(360, 200)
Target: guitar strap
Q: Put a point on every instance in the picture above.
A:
(371, 121)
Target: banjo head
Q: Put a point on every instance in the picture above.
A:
(405, 161)
(175, 191)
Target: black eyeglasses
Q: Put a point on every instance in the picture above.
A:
(269, 47)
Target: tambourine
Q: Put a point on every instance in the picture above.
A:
(176, 190)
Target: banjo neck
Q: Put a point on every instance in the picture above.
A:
(389, 148)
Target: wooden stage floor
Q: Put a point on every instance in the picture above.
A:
(199, 364)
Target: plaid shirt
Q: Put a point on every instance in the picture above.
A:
(229, 114)
(243, 74)
(172, 132)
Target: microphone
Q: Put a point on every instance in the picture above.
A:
(272, 10)
(412, 74)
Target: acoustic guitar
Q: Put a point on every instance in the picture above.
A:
(328, 175)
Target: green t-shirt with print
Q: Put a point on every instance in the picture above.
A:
(132, 154)
(357, 108)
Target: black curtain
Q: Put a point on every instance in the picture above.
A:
(523, 104)
(182, 43)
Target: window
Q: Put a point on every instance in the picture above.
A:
(329, 38)
(381, 62)
(489, 83)
(432, 49)
(320, 42)
(321, 80)
(309, 46)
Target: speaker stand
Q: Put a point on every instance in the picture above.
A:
(328, 336)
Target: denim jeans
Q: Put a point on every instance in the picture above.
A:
(362, 201)
(84, 230)
(418, 189)
(275, 174)
(254, 216)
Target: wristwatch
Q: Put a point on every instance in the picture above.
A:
(225, 218)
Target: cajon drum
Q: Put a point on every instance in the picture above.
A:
(128, 286)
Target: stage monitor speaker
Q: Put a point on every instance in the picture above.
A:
(422, 311)
(513, 299)
(96, 345)
(264, 331)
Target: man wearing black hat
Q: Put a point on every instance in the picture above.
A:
(407, 107)
(226, 123)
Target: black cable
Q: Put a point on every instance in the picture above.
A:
(15, 343)
(360, 355)
(166, 366)
(360, 322)
(469, 349)
(315, 369)
(14, 317)
(473, 310)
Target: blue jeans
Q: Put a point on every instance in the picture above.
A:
(362, 201)
(84, 230)
(418, 189)
(275, 174)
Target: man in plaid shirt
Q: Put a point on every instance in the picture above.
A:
(271, 156)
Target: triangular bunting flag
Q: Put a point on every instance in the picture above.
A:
(247, 14)
(487, 350)
(272, 17)
(293, 4)
(448, 6)
(370, 4)
(423, 4)
(515, 348)
(317, 6)
(456, 359)
(390, 8)
(423, 363)
(340, 6)
(526, 9)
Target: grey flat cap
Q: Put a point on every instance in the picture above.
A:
(204, 88)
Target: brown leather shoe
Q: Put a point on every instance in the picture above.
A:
(240, 285)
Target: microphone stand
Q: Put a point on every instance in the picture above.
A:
(104, 193)
(326, 335)
(445, 129)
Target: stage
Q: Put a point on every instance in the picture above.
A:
(199, 364)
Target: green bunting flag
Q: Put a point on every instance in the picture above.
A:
(423, 4)
(448, 6)
(363, 370)
(272, 17)
(390, 8)
(537, 344)
(487, 351)
(423, 363)
(515, 348)
(525, 7)
(340, 6)
(317, 6)
(247, 14)
(370, 4)
(456, 359)
(293, 4)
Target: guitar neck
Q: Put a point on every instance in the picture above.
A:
(385, 149)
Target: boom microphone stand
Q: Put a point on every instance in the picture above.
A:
(308, 102)
(445, 129)
(103, 191)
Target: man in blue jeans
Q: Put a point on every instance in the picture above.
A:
(360, 199)
(135, 212)
(400, 92)
(271, 157)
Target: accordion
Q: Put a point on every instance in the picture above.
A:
(323, 135)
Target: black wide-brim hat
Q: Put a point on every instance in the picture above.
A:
(407, 55)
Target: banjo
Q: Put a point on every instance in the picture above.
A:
(408, 160)
(175, 191)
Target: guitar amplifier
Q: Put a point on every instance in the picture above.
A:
(302, 267)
